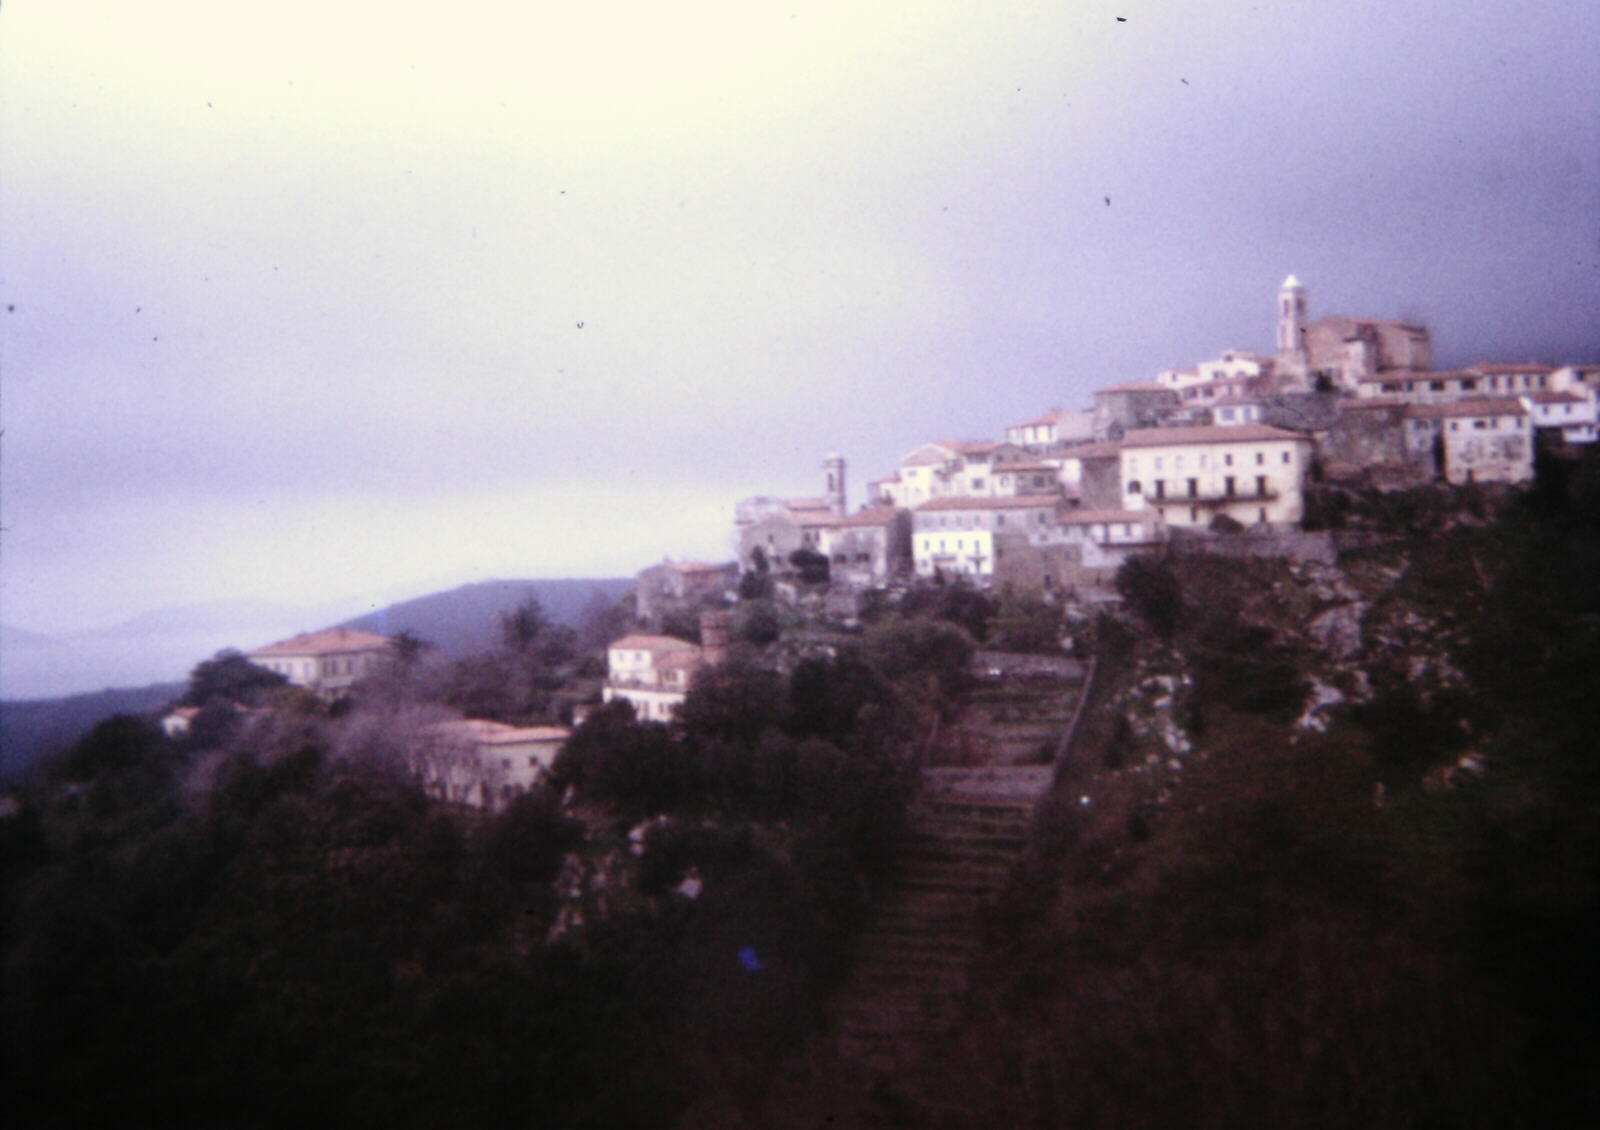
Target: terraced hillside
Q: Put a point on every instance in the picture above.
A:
(1015, 715)
(970, 826)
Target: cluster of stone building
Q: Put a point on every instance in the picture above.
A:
(1064, 498)
(1059, 503)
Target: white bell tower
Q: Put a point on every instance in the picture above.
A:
(1292, 324)
(833, 469)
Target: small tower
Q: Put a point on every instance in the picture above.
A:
(834, 496)
(1292, 324)
(714, 624)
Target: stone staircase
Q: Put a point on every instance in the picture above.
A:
(910, 980)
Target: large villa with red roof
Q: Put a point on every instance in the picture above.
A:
(329, 662)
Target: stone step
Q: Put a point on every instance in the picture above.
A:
(937, 851)
(972, 837)
(913, 948)
(975, 886)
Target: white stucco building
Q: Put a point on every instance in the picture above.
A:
(1252, 472)
(329, 662)
(654, 673)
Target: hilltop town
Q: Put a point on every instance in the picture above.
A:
(1222, 747)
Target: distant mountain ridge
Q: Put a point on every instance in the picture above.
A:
(167, 643)
(466, 620)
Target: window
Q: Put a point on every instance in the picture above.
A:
(1261, 485)
(1227, 460)
(1194, 488)
(1227, 486)
(1435, 386)
(1134, 487)
(1286, 457)
(1161, 488)
(1260, 458)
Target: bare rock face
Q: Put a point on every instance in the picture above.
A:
(1337, 630)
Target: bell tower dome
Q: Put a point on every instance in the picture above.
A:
(1292, 324)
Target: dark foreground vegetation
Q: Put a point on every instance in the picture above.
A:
(266, 923)
(1278, 924)
(1337, 928)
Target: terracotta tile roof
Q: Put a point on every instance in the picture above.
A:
(1510, 367)
(1239, 433)
(653, 644)
(1134, 386)
(327, 642)
(517, 734)
(1034, 465)
(1482, 406)
(484, 732)
(700, 567)
(1545, 397)
(1070, 516)
(1347, 323)
(890, 478)
(1009, 502)
(870, 516)
(806, 503)
(679, 659)
(1093, 451)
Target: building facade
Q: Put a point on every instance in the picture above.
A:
(1253, 473)
(484, 765)
(329, 662)
(653, 673)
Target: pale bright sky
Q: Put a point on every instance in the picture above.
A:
(307, 300)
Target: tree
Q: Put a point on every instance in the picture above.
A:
(757, 622)
(522, 627)
(408, 647)
(229, 675)
(1151, 589)
(911, 651)
(733, 702)
(1026, 623)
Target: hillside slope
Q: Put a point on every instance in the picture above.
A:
(466, 620)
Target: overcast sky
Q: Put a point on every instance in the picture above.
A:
(308, 300)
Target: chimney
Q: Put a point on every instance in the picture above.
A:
(714, 637)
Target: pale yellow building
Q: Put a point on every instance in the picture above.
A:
(1252, 472)
(957, 537)
(329, 662)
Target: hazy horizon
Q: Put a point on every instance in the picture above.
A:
(316, 301)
